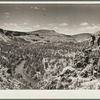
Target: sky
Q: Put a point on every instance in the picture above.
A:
(66, 19)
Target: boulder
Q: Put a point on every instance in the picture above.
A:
(67, 70)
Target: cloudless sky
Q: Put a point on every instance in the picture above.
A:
(65, 18)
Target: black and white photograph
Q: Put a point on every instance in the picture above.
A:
(49, 46)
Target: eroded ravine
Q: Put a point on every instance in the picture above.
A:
(19, 69)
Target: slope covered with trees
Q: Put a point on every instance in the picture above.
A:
(36, 61)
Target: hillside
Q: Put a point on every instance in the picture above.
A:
(36, 36)
(97, 33)
(44, 36)
(3, 37)
(45, 59)
(82, 37)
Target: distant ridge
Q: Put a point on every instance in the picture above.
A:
(45, 32)
(44, 35)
